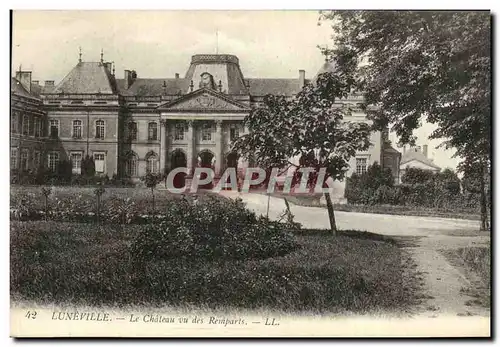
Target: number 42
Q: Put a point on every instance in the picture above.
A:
(30, 314)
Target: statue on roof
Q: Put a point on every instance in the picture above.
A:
(207, 81)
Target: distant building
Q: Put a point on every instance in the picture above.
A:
(27, 124)
(133, 125)
(417, 157)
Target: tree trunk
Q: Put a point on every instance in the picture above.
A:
(46, 208)
(483, 203)
(98, 209)
(153, 194)
(268, 201)
(331, 213)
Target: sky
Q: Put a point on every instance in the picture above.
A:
(160, 43)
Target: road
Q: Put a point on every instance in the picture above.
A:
(443, 282)
(317, 217)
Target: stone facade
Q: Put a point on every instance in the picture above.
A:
(27, 125)
(134, 125)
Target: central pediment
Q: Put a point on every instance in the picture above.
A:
(204, 100)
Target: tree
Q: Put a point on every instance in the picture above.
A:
(309, 126)
(424, 65)
(64, 171)
(151, 180)
(414, 175)
(88, 167)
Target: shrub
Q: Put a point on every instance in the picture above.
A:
(414, 175)
(213, 229)
(361, 189)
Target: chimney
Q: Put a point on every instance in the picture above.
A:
(130, 77)
(176, 75)
(426, 147)
(25, 78)
(302, 78)
(49, 83)
(108, 66)
(404, 149)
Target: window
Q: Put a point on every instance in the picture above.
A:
(37, 127)
(131, 165)
(26, 124)
(361, 165)
(13, 158)
(234, 133)
(152, 131)
(53, 159)
(152, 163)
(206, 132)
(36, 159)
(24, 159)
(54, 128)
(77, 129)
(99, 162)
(179, 131)
(13, 123)
(99, 129)
(76, 162)
(31, 127)
(132, 131)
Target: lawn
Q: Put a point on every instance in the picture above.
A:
(85, 264)
(475, 262)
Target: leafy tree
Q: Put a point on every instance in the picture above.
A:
(64, 171)
(311, 127)
(376, 176)
(449, 181)
(414, 175)
(88, 167)
(363, 188)
(151, 180)
(432, 65)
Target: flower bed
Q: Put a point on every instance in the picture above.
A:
(122, 206)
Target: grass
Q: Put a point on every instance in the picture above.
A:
(476, 265)
(313, 200)
(82, 264)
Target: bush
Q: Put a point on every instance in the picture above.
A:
(414, 175)
(214, 229)
(361, 189)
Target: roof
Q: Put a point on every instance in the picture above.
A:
(37, 89)
(86, 78)
(258, 86)
(152, 86)
(418, 156)
(389, 149)
(328, 66)
(276, 86)
(16, 87)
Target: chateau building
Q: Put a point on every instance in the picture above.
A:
(132, 125)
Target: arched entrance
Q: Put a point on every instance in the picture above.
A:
(178, 159)
(231, 162)
(206, 159)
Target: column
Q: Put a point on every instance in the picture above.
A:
(190, 147)
(218, 148)
(163, 146)
(246, 164)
